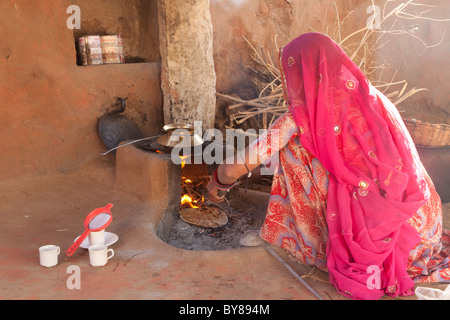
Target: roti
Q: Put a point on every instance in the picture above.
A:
(207, 217)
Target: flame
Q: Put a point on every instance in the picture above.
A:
(186, 199)
(183, 161)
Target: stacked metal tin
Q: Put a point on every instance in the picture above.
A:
(98, 50)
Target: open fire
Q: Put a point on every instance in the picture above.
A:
(187, 199)
(191, 194)
(194, 209)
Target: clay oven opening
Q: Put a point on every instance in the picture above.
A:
(191, 221)
(203, 225)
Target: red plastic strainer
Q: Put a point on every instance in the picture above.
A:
(96, 221)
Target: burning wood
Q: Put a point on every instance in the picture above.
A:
(191, 194)
(193, 210)
(186, 199)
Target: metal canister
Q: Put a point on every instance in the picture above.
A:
(110, 49)
(82, 53)
(121, 49)
(93, 48)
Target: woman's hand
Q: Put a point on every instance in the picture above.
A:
(213, 193)
(230, 171)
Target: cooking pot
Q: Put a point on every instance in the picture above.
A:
(179, 135)
(114, 128)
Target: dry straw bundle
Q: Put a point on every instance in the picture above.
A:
(270, 103)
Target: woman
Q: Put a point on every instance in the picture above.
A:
(350, 196)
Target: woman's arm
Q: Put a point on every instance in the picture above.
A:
(234, 168)
(257, 153)
(231, 170)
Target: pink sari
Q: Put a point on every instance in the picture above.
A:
(376, 181)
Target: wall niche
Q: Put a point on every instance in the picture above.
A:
(135, 20)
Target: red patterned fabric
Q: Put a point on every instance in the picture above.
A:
(351, 193)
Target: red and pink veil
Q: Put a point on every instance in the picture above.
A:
(376, 181)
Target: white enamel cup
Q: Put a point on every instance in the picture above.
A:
(96, 238)
(48, 256)
(99, 255)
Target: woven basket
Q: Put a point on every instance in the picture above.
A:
(428, 134)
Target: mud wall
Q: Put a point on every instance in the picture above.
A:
(50, 106)
(420, 56)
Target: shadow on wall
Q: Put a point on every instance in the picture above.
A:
(437, 162)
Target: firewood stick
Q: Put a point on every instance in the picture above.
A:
(254, 104)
